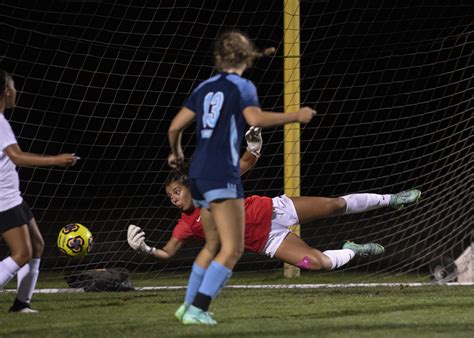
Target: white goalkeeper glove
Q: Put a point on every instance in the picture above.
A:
(136, 239)
(253, 136)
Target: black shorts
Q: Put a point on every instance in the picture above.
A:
(15, 217)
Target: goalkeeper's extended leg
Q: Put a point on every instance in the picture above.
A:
(356, 203)
(349, 250)
(310, 208)
(364, 250)
(403, 198)
(295, 251)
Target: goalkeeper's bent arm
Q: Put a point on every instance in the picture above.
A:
(169, 250)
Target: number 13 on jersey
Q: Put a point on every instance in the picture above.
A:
(212, 110)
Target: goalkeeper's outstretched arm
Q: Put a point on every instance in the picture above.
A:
(247, 162)
(253, 136)
(169, 250)
(136, 240)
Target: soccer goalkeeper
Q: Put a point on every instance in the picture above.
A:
(267, 222)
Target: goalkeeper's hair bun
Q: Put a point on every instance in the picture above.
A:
(178, 175)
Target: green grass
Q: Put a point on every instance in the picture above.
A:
(56, 280)
(431, 311)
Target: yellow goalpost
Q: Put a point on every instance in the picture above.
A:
(291, 159)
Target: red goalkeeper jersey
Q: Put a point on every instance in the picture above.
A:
(258, 217)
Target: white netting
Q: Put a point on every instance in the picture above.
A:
(392, 85)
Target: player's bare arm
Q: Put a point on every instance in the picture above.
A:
(258, 118)
(169, 250)
(25, 159)
(247, 162)
(181, 121)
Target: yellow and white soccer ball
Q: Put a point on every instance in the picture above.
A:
(75, 240)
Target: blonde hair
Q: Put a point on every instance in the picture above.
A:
(234, 49)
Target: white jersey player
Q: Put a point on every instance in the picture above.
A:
(17, 224)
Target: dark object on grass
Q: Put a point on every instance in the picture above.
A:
(101, 280)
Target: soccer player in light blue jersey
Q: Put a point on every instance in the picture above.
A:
(221, 107)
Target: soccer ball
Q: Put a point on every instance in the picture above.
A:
(75, 240)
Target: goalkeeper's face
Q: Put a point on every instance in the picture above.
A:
(180, 196)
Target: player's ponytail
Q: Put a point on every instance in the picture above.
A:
(234, 49)
(266, 52)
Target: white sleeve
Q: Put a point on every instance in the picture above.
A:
(7, 137)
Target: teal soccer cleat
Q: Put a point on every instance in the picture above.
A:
(195, 315)
(367, 249)
(398, 201)
(181, 310)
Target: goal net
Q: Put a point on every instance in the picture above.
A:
(392, 84)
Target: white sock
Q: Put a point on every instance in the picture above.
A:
(27, 277)
(8, 269)
(339, 257)
(363, 202)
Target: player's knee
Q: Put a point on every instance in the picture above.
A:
(339, 205)
(37, 244)
(239, 251)
(21, 257)
(233, 252)
(38, 247)
(212, 247)
(315, 262)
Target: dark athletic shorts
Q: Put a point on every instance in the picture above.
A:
(15, 217)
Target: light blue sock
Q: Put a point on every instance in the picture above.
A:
(214, 280)
(195, 280)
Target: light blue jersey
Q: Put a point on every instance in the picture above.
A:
(218, 104)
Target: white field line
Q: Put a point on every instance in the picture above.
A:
(271, 286)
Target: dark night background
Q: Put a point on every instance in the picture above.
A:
(392, 82)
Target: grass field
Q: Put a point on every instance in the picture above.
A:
(431, 311)
(49, 279)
